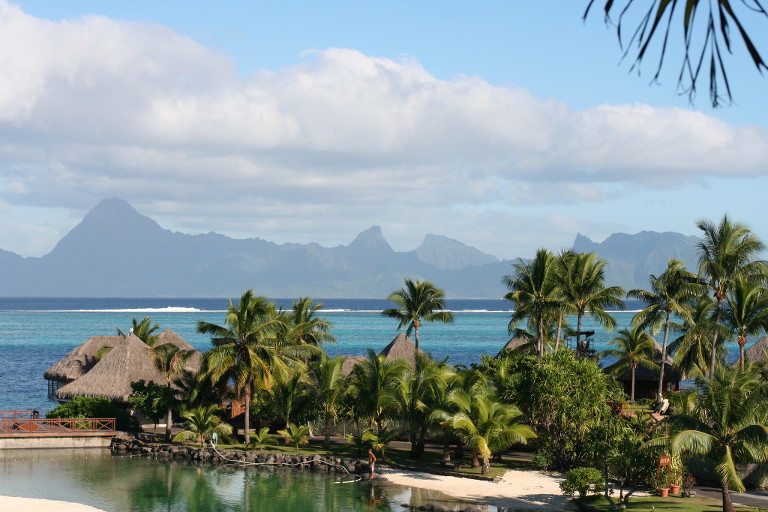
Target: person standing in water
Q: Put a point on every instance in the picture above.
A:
(371, 462)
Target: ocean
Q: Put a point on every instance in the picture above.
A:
(37, 332)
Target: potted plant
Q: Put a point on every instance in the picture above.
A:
(662, 482)
(675, 474)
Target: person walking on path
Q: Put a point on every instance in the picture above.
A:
(371, 462)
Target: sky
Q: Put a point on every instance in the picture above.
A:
(508, 126)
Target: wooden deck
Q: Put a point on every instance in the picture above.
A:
(15, 424)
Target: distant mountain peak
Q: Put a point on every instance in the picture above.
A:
(449, 254)
(371, 238)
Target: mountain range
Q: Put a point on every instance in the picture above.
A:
(117, 252)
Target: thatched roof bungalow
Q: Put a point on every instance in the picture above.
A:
(349, 364)
(757, 353)
(647, 380)
(401, 348)
(170, 336)
(77, 362)
(129, 361)
(518, 343)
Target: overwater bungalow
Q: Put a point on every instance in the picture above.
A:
(402, 347)
(80, 373)
(519, 343)
(77, 362)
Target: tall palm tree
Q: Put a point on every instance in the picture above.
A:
(244, 349)
(728, 425)
(634, 348)
(326, 379)
(486, 425)
(692, 348)
(747, 312)
(289, 394)
(726, 251)
(307, 325)
(144, 330)
(419, 300)
(535, 295)
(373, 383)
(581, 279)
(170, 360)
(669, 295)
(417, 395)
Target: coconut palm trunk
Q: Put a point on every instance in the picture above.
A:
(726, 492)
(663, 358)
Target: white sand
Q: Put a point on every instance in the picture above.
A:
(13, 504)
(516, 489)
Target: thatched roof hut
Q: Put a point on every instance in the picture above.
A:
(129, 361)
(401, 348)
(647, 380)
(349, 364)
(169, 336)
(757, 353)
(80, 359)
(518, 343)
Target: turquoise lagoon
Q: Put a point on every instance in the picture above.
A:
(120, 483)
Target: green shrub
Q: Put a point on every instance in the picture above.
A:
(583, 481)
(93, 407)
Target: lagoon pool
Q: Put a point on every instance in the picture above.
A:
(121, 483)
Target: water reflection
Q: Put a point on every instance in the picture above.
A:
(120, 483)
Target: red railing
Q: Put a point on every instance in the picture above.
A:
(55, 426)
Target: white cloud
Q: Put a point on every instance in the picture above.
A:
(93, 108)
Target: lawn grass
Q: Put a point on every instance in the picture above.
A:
(657, 504)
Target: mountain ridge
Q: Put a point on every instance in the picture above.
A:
(116, 251)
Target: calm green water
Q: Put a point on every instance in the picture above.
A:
(119, 483)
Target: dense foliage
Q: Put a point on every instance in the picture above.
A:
(93, 407)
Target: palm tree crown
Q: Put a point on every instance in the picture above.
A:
(634, 348)
(535, 294)
(419, 300)
(726, 251)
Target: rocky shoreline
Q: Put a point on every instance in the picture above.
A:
(128, 444)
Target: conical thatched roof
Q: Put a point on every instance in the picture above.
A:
(169, 336)
(349, 364)
(129, 361)
(518, 343)
(80, 359)
(646, 374)
(401, 348)
(757, 353)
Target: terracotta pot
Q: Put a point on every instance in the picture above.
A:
(663, 492)
(674, 489)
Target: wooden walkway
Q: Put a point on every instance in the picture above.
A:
(15, 424)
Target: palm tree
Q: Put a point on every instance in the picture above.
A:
(486, 425)
(669, 295)
(373, 383)
(290, 394)
(581, 279)
(170, 360)
(245, 350)
(726, 251)
(202, 422)
(326, 379)
(692, 349)
(634, 347)
(535, 295)
(417, 395)
(306, 325)
(295, 434)
(419, 300)
(728, 425)
(747, 312)
(144, 330)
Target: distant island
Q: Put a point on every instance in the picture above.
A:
(117, 252)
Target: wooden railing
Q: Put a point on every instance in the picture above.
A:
(55, 426)
(19, 414)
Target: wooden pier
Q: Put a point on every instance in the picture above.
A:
(28, 424)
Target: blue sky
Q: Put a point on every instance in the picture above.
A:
(506, 125)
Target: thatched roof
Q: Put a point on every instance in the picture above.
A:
(80, 359)
(757, 353)
(518, 343)
(127, 362)
(169, 336)
(646, 374)
(349, 364)
(401, 348)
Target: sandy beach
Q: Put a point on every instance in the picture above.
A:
(516, 489)
(13, 504)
